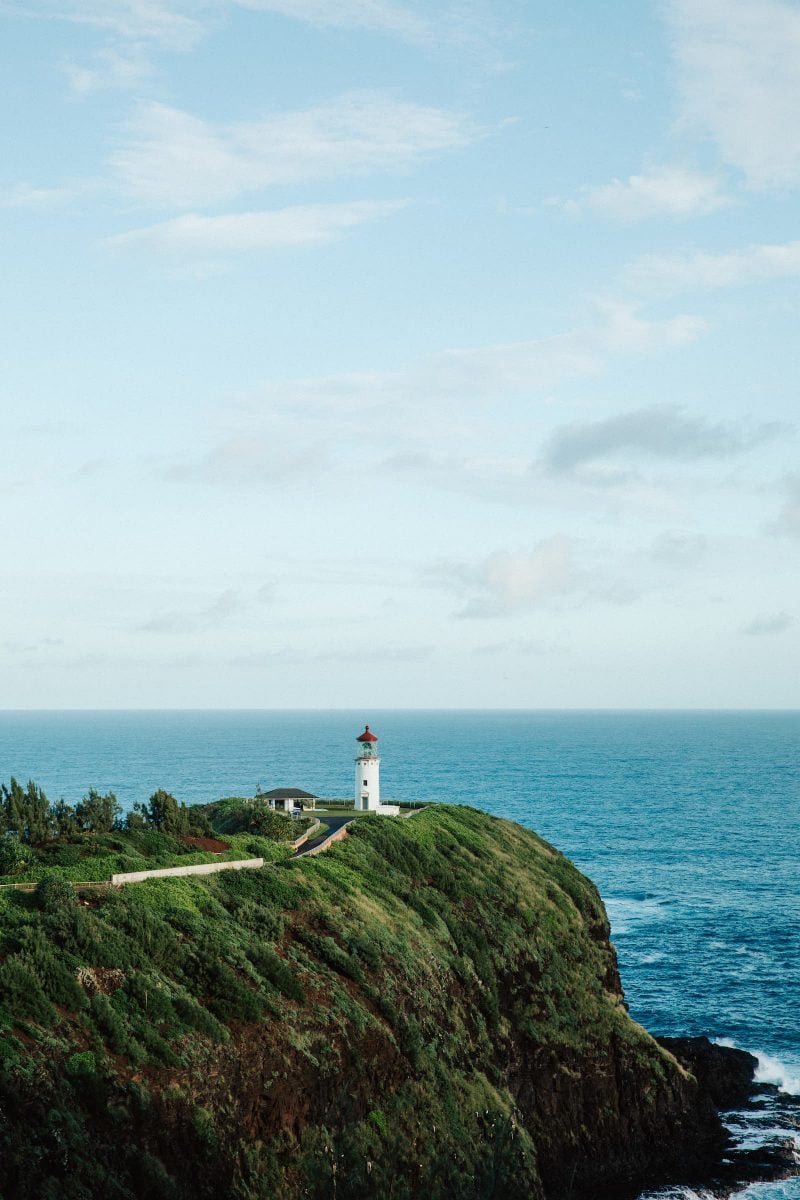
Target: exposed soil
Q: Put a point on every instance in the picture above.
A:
(210, 845)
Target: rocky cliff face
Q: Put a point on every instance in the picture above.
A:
(431, 1009)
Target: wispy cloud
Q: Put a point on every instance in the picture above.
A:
(672, 191)
(667, 273)
(548, 575)
(508, 582)
(169, 158)
(410, 409)
(290, 655)
(536, 365)
(659, 431)
(209, 616)
(516, 648)
(769, 625)
(26, 195)
(409, 22)
(739, 82)
(203, 237)
(108, 69)
(679, 549)
(213, 614)
(179, 24)
(788, 521)
(270, 455)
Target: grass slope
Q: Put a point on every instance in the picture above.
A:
(348, 1026)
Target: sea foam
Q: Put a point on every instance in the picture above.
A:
(772, 1070)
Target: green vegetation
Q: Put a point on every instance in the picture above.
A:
(237, 814)
(95, 840)
(355, 1025)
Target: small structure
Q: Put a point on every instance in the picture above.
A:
(289, 799)
(368, 777)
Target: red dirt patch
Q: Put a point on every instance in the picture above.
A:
(211, 845)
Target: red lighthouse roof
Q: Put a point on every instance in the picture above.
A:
(367, 735)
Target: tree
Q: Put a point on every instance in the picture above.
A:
(63, 818)
(137, 817)
(26, 812)
(97, 813)
(166, 814)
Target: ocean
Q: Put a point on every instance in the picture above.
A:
(686, 821)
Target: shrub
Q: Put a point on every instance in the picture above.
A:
(196, 1017)
(54, 894)
(82, 1063)
(278, 972)
(15, 857)
(110, 1023)
(56, 980)
(22, 993)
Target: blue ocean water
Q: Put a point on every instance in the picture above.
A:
(686, 821)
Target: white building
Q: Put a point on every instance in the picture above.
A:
(368, 777)
(289, 799)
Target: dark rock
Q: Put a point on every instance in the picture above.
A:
(767, 1164)
(724, 1073)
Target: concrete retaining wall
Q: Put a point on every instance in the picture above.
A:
(334, 837)
(312, 829)
(241, 864)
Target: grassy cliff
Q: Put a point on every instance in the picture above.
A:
(430, 1008)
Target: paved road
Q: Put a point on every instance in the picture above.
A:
(333, 824)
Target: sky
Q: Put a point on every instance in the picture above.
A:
(398, 354)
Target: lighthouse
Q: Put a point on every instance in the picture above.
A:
(368, 773)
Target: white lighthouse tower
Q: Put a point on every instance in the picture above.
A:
(368, 773)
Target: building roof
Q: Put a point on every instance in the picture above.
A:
(366, 736)
(289, 794)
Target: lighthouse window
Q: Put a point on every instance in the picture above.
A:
(365, 783)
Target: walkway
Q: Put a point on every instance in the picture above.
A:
(334, 825)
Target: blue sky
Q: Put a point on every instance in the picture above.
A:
(379, 353)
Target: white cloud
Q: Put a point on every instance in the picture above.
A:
(174, 24)
(768, 625)
(410, 23)
(523, 580)
(175, 160)
(508, 582)
(26, 195)
(675, 273)
(450, 399)
(547, 576)
(178, 24)
(535, 366)
(663, 191)
(195, 236)
(267, 456)
(108, 69)
(739, 82)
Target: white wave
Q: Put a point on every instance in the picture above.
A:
(772, 1070)
(677, 1193)
(788, 1189)
(753, 1136)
